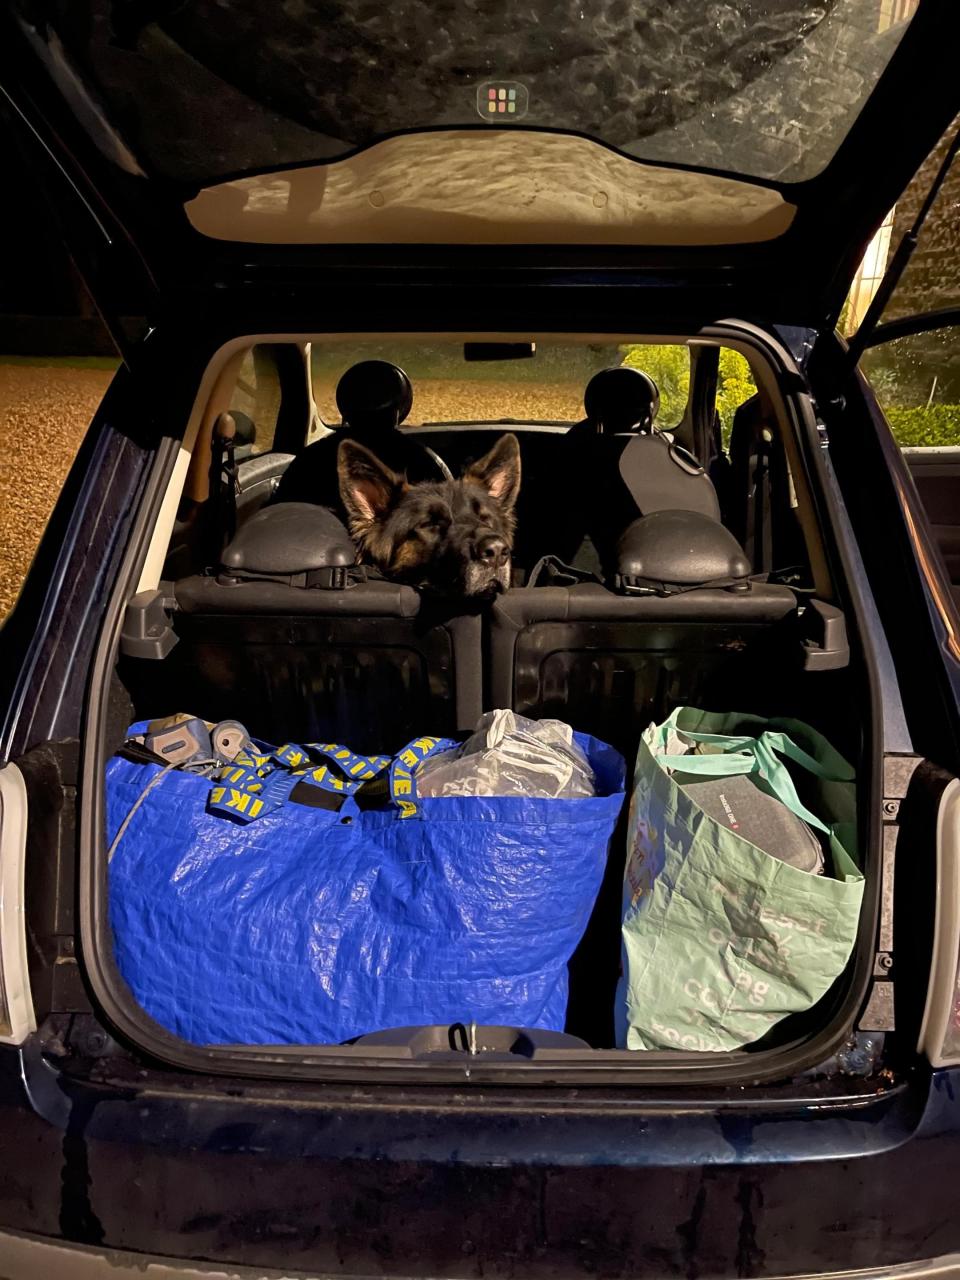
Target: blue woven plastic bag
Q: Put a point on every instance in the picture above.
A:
(313, 926)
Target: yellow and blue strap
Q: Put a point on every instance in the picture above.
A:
(403, 787)
(238, 792)
(255, 784)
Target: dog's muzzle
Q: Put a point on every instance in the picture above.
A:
(491, 550)
(488, 570)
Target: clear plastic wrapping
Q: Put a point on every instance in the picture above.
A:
(509, 755)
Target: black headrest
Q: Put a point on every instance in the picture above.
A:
(245, 429)
(374, 395)
(293, 542)
(671, 551)
(621, 399)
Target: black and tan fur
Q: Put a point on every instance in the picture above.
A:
(455, 535)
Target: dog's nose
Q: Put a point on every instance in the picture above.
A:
(491, 550)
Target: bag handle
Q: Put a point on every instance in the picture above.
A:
(402, 784)
(256, 784)
(402, 787)
(757, 757)
(780, 742)
(357, 768)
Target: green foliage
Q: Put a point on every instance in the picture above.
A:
(843, 323)
(937, 425)
(736, 386)
(554, 362)
(669, 366)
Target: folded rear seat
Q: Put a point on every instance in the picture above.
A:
(682, 622)
(610, 663)
(374, 665)
(371, 663)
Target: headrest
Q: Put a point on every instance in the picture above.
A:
(621, 399)
(245, 429)
(293, 542)
(672, 551)
(374, 395)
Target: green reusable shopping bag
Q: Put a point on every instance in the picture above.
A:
(720, 939)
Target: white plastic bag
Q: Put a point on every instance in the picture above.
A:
(509, 755)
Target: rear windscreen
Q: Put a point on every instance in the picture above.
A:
(545, 387)
(215, 88)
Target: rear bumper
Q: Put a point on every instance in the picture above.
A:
(208, 1177)
(26, 1257)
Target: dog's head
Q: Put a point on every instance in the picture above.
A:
(455, 535)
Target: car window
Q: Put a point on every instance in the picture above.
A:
(916, 379)
(257, 395)
(735, 386)
(547, 387)
(669, 366)
(917, 382)
(208, 90)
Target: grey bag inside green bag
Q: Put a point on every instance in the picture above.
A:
(721, 939)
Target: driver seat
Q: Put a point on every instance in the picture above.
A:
(374, 397)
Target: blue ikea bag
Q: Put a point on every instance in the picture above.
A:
(316, 925)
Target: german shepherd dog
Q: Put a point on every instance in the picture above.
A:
(454, 536)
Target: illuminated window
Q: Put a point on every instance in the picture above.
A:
(869, 274)
(874, 264)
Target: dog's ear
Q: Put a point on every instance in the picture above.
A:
(368, 488)
(499, 471)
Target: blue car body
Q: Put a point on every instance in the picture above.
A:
(121, 1156)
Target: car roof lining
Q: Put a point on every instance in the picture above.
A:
(489, 187)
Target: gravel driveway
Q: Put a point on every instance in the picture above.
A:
(44, 412)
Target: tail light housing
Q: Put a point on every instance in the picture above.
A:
(17, 1019)
(940, 1029)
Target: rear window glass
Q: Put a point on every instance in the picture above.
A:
(765, 88)
(547, 387)
(257, 397)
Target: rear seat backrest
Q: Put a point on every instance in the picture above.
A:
(292, 640)
(610, 664)
(373, 665)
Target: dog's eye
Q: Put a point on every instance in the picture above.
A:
(436, 520)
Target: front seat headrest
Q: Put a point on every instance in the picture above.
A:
(374, 395)
(621, 399)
